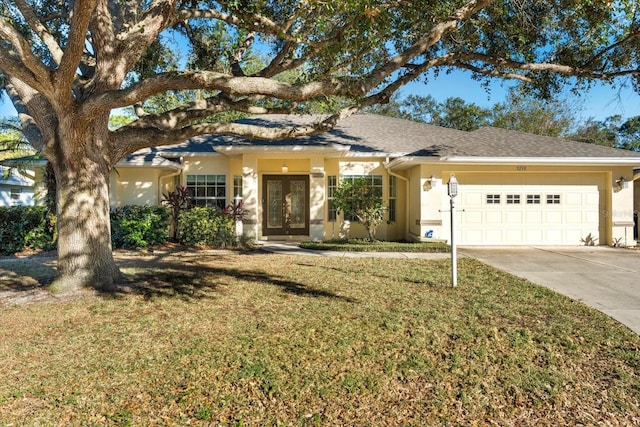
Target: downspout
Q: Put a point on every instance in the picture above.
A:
(407, 196)
(171, 175)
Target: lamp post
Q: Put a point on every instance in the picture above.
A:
(452, 190)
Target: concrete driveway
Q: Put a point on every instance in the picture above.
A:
(605, 278)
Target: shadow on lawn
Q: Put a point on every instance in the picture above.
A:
(193, 277)
(26, 274)
(187, 275)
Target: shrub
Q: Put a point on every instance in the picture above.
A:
(178, 201)
(139, 226)
(361, 200)
(206, 227)
(25, 227)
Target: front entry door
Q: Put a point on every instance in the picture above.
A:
(285, 208)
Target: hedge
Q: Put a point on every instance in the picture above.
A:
(139, 226)
(206, 227)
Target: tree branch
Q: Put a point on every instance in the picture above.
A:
(439, 30)
(36, 25)
(18, 57)
(65, 76)
(37, 127)
(234, 86)
(566, 70)
(252, 22)
(131, 139)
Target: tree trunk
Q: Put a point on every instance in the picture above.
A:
(85, 256)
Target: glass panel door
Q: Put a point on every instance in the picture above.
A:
(274, 204)
(297, 209)
(285, 205)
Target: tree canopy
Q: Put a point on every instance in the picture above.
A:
(521, 111)
(66, 65)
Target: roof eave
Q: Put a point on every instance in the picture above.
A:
(545, 160)
(407, 161)
(256, 149)
(146, 164)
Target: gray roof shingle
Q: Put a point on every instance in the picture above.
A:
(370, 133)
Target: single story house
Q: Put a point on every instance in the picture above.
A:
(514, 188)
(16, 189)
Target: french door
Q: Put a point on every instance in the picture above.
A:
(285, 209)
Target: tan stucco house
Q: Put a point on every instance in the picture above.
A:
(514, 188)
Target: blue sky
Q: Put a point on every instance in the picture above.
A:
(599, 103)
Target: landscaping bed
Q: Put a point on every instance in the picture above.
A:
(359, 245)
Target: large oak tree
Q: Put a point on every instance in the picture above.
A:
(66, 65)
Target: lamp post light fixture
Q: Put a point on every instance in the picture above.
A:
(452, 191)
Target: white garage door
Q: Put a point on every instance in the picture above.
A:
(532, 209)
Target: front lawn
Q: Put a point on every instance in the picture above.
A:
(263, 339)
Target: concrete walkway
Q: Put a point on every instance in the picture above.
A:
(605, 278)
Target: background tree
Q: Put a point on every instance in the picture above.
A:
(360, 200)
(613, 132)
(66, 65)
(523, 112)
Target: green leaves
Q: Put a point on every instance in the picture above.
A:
(362, 200)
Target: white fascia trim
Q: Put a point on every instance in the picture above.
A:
(545, 160)
(361, 154)
(517, 160)
(137, 164)
(190, 154)
(281, 149)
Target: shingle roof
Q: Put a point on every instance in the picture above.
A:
(495, 142)
(362, 133)
(370, 133)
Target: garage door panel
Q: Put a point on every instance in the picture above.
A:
(532, 236)
(592, 198)
(553, 217)
(533, 217)
(573, 199)
(493, 218)
(574, 217)
(552, 236)
(571, 215)
(513, 217)
(472, 198)
(471, 235)
(513, 235)
(472, 217)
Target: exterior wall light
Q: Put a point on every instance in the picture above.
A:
(622, 183)
(429, 183)
(285, 168)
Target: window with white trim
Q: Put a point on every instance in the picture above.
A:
(332, 184)
(15, 193)
(513, 199)
(533, 199)
(393, 185)
(208, 190)
(493, 199)
(553, 199)
(375, 181)
(237, 189)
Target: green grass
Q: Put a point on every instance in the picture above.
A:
(359, 245)
(259, 339)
